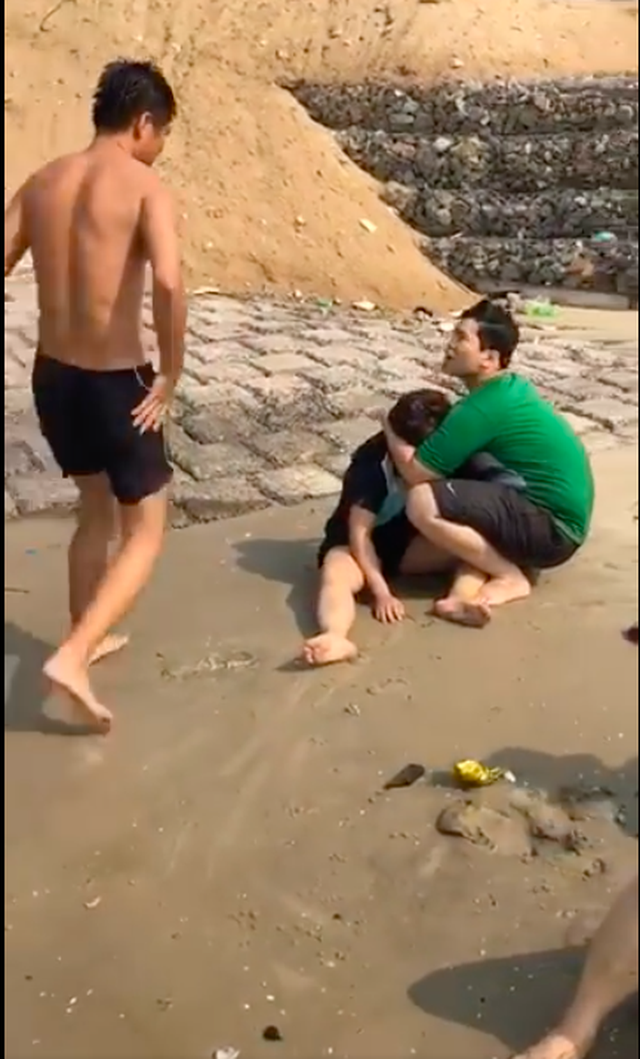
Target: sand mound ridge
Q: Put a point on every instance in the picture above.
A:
(267, 199)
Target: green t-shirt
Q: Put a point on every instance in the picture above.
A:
(508, 418)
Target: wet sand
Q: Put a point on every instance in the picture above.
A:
(225, 860)
(598, 324)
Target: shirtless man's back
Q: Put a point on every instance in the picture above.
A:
(83, 213)
(92, 221)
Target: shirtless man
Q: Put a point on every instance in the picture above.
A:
(92, 220)
(610, 975)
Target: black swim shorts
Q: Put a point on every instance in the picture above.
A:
(518, 529)
(86, 418)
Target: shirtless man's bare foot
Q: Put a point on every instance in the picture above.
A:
(327, 648)
(67, 677)
(555, 1047)
(111, 644)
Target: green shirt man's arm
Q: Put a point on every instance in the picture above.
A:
(411, 470)
(465, 431)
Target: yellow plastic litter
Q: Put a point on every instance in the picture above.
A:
(474, 774)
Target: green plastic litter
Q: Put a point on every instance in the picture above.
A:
(541, 310)
(603, 237)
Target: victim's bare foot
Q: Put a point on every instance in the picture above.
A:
(73, 681)
(555, 1046)
(327, 648)
(472, 613)
(111, 644)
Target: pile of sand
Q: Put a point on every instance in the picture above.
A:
(267, 199)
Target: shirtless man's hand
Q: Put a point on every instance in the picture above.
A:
(94, 221)
(152, 411)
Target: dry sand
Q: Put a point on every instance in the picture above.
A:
(267, 199)
(225, 861)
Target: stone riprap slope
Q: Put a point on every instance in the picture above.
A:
(509, 181)
(504, 108)
(276, 394)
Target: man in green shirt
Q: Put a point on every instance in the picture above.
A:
(497, 533)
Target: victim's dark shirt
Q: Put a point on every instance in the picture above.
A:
(366, 480)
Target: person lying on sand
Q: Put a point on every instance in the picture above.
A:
(485, 525)
(610, 975)
(368, 539)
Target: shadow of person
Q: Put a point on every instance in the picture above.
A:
(552, 772)
(422, 588)
(294, 563)
(517, 998)
(25, 689)
(290, 563)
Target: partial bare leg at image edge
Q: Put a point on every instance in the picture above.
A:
(610, 975)
(126, 576)
(340, 581)
(506, 582)
(89, 555)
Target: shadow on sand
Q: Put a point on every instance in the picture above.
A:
(294, 563)
(25, 691)
(291, 563)
(517, 998)
(550, 773)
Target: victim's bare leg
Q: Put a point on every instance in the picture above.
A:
(340, 581)
(89, 553)
(610, 975)
(142, 533)
(505, 581)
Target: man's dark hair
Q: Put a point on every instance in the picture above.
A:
(497, 329)
(127, 90)
(417, 414)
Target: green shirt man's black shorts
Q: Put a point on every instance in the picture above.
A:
(539, 527)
